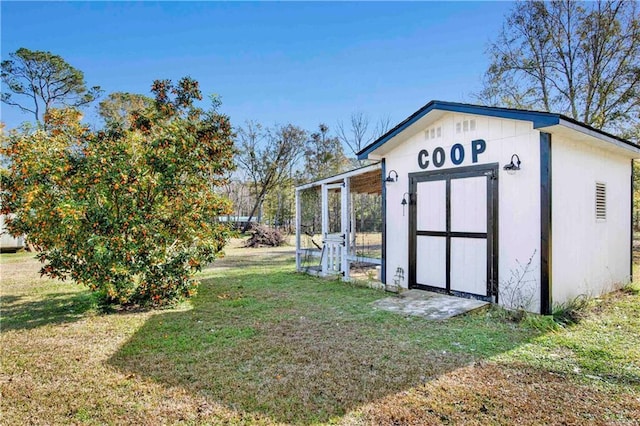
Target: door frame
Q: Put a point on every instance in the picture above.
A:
(491, 172)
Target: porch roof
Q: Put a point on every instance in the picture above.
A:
(363, 180)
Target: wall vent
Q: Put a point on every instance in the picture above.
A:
(601, 201)
(432, 133)
(466, 126)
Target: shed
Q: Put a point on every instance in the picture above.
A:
(522, 208)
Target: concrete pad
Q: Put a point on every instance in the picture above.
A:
(434, 306)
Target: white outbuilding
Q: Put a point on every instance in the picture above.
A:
(521, 208)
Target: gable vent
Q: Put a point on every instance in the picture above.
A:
(601, 201)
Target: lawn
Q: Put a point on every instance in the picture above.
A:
(261, 344)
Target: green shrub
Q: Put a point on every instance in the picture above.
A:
(130, 212)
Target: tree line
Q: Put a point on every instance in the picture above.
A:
(270, 160)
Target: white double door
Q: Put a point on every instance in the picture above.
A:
(453, 231)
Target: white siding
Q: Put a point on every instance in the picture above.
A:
(519, 194)
(589, 256)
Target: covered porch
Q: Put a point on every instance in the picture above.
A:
(339, 225)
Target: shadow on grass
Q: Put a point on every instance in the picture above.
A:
(54, 308)
(301, 350)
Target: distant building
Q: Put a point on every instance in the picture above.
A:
(7, 242)
(238, 222)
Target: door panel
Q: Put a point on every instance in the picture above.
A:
(431, 265)
(469, 204)
(432, 211)
(453, 231)
(469, 265)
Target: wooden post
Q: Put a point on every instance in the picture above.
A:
(344, 227)
(352, 225)
(325, 227)
(298, 228)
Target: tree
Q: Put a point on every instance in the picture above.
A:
(323, 155)
(42, 80)
(357, 135)
(576, 58)
(131, 213)
(238, 193)
(268, 157)
(119, 106)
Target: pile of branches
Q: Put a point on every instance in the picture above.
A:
(262, 236)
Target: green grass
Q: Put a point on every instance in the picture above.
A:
(301, 349)
(604, 348)
(261, 344)
(20, 256)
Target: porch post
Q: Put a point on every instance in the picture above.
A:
(325, 228)
(344, 225)
(298, 263)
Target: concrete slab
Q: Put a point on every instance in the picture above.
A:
(434, 306)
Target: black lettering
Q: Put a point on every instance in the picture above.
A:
(457, 154)
(438, 157)
(423, 161)
(477, 147)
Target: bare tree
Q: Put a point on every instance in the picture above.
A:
(576, 58)
(237, 190)
(356, 135)
(382, 126)
(267, 157)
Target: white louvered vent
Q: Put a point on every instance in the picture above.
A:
(432, 133)
(466, 126)
(601, 201)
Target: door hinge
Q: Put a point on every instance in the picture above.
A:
(490, 174)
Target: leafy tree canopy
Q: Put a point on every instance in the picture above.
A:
(129, 212)
(323, 155)
(118, 107)
(581, 59)
(41, 80)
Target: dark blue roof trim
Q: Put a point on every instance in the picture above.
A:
(538, 118)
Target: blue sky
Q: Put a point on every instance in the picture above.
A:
(300, 63)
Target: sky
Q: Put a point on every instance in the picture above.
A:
(303, 63)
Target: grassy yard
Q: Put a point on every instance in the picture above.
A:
(261, 344)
